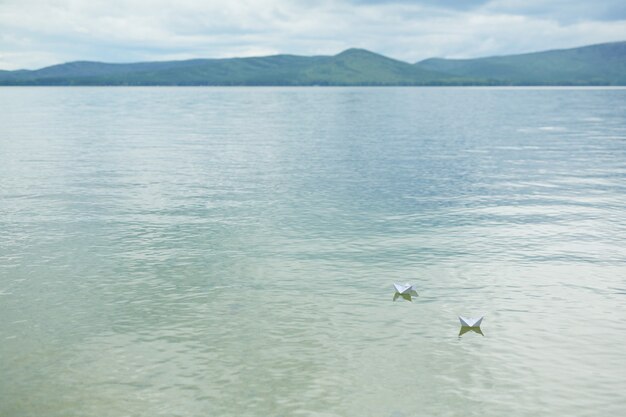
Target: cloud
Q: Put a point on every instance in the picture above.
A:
(36, 33)
(442, 4)
(564, 11)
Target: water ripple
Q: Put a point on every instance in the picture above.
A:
(231, 251)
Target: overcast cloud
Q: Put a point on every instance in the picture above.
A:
(36, 33)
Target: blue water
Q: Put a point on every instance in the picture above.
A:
(231, 251)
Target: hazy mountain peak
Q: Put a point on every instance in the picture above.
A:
(357, 52)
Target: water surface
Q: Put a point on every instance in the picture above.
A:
(230, 251)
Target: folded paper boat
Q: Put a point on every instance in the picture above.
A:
(470, 322)
(405, 289)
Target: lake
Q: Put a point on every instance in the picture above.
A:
(232, 251)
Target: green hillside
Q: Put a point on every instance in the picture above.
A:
(603, 64)
(361, 67)
(351, 67)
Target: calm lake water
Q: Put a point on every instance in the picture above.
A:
(231, 251)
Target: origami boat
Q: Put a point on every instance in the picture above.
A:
(470, 322)
(405, 289)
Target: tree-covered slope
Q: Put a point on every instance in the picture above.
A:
(358, 66)
(351, 67)
(592, 65)
(603, 64)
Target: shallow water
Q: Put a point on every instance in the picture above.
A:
(231, 251)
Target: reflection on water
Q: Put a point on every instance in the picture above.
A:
(229, 252)
(465, 329)
(405, 296)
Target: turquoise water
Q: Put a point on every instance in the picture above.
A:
(231, 251)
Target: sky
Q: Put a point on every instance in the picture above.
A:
(37, 33)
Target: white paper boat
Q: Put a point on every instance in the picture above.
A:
(470, 322)
(405, 289)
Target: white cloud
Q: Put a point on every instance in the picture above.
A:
(36, 33)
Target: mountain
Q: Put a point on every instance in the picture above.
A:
(351, 67)
(603, 64)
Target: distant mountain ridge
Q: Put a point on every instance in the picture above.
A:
(602, 64)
